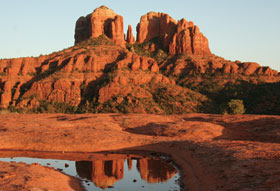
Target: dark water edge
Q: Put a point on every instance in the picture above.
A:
(114, 171)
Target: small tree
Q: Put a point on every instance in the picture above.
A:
(235, 106)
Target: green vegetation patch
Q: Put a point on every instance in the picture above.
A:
(101, 40)
(142, 49)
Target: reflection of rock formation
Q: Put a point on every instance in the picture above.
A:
(84, 169)
(155, 170)
(103, 173)
(129, 164)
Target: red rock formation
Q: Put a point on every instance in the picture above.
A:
(154, 25)
(129, 36)
(181, 37)
(102, 21)
(213, 64)
(6, 95)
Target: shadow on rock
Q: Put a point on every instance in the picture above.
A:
(245, 127)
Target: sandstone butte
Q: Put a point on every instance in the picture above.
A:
(99, 66)
(102, 21)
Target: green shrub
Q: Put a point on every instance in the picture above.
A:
(55, 107)
(235, 106)
(101, 40)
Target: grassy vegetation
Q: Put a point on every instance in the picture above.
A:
(261, 98)
(175, 101)
(142, 49)
(3, 74)
(101, 40)
(54, 107)
(234, 106)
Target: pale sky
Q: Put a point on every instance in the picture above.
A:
(245, 30)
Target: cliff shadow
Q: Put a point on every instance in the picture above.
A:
(151, 129)
(193, 171)
(260, 129)
(53, 67)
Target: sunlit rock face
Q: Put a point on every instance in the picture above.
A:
(102, 21)
(176, 37)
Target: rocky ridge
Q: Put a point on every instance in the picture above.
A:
(103, 72)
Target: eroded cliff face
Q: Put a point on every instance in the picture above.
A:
(176, 37)
(68, 76)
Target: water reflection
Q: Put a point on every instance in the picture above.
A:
(155, 170)
(101, 171)
(105, 173)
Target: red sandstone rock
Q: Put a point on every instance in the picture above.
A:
(117, 32)
(129, 37)
(135, 63)
(200, 42)
(154, 25)
(181, 43)
(250, 67)
(144, 63)
(155, 67)
(181, 37)
(82, 30)
(6, 95)
(102, 21)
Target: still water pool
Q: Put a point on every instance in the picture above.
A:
(112, 173)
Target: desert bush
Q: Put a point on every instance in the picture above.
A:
(55, 107)
(234, 106)
(141, 49)
(101, 40)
